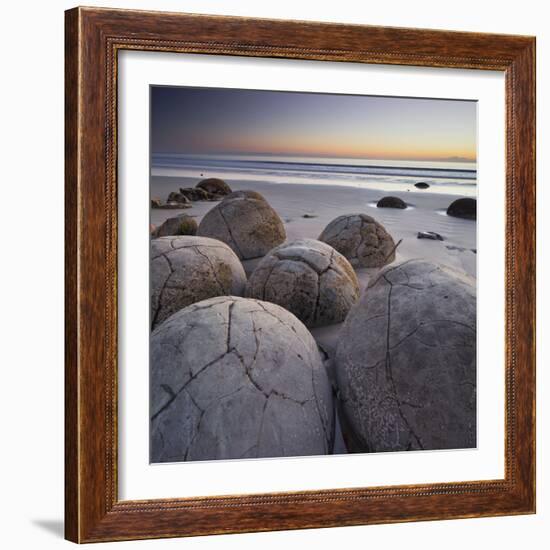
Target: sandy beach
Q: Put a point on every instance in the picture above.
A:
(306, 209)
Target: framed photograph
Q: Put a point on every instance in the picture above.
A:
(300, 275)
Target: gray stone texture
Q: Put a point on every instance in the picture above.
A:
(406, 361)
(178, 225)
(246, 223)
(361, 239)
(187, 269)
(237, 378)
(308, 278)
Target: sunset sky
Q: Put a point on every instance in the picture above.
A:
(224, 121)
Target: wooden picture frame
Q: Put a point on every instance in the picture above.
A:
(93, 511)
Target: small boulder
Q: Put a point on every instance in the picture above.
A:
(156, 203)
(187, 269)
(179, 225)
(214, 186)
(195, 194)
(391, 202)
(361, 239)
(174, 196)
(422, 185)
(308, 278)
(247, 224)
(406, 361)
(429, 235)
(463, 208)
(235, 378)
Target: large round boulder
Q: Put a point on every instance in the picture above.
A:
(361, 239)
(391, 202)
(406, 361)
(246, 223)
(308, 278)
(214, 186)
(178, 225)
(237, 378)
(187, 269)
(463, 208)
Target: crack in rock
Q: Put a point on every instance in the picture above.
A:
(308, 278)
(269, 398)
(405, 362)
(197, 270)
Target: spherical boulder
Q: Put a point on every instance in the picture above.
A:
(463, 208)
(422, 185)
(187, 269)
(308, 278)
(178, 225)
(406, 361)
(246, 223)
(214, 186)
(237, 378)
(361, 239)
(391, 202)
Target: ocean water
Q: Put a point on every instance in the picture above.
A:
(451, 177)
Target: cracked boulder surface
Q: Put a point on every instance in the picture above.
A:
(406, 361)
(237, 378)
(308, 278)
(361, 239)
(246, 223)
(187, 269)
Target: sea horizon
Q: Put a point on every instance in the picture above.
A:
(444, 176)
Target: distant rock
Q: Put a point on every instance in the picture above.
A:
(214, 186)
(406, 361)
(187, 269)
(309, 216)
(422, 185)
(391, 202)
(247, 224)
(195, 194)
(235, 378)
(174, 196)
(429, 235)
(156, 203)
(361, 239)
(463, 208)
(308, 278)
(179, 225)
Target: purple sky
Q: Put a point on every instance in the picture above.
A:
(229, 121)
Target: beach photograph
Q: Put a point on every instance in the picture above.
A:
(312, 274)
